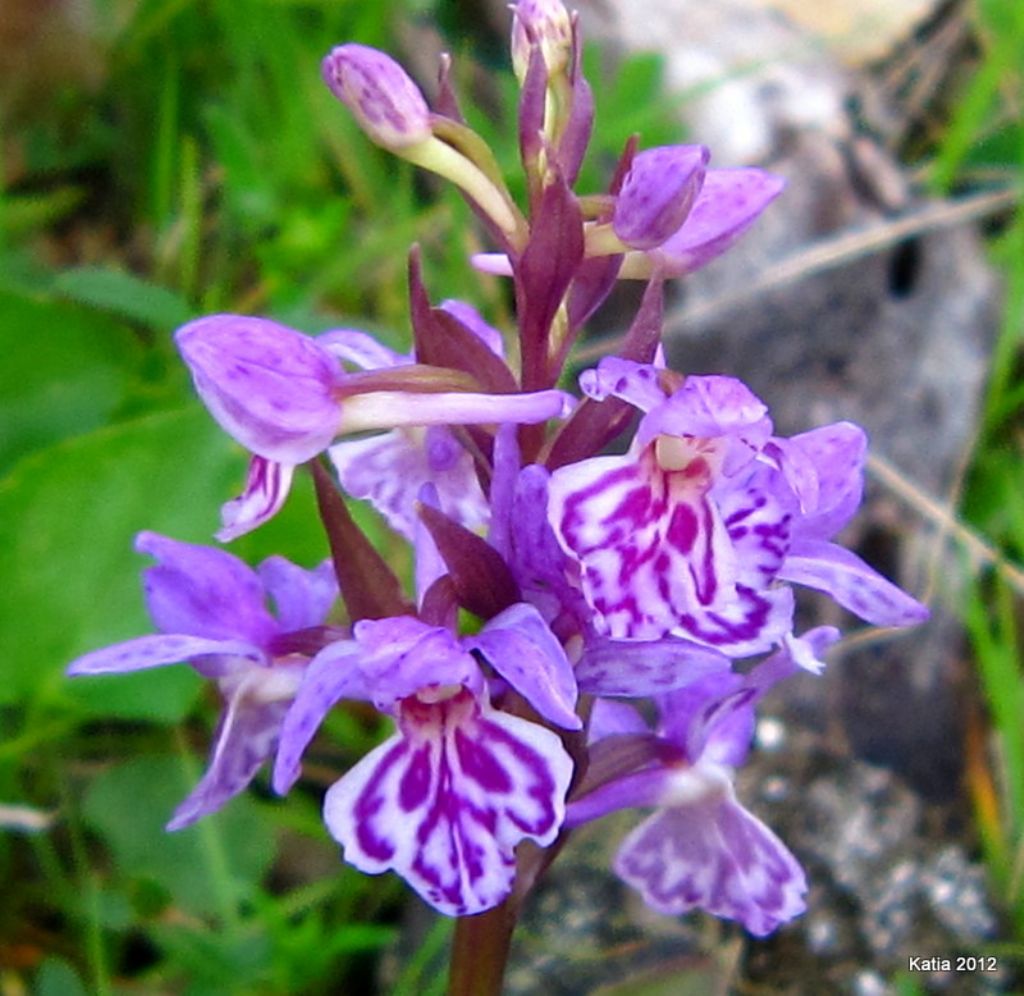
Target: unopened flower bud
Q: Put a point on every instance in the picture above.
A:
(658, 194)
(545, 23)
(385, 101)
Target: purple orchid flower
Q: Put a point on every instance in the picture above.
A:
(285, 397)
(701, 849)
(445, 800)
(729, 201)
(690, 532)
(210, 609)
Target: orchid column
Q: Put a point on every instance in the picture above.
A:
(551, 580)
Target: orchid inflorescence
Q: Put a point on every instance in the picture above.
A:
(556, 587)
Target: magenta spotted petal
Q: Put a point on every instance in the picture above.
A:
(386, 661)
(656, 556)
(722, 413)
(714, 856)
(759, 524)
(445, 802)
(634, 382)
(403, 656)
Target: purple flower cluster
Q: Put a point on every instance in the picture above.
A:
(552, 581)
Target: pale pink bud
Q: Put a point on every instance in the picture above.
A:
(385, 101)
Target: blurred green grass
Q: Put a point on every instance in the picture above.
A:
(201, 166)
(985, 134)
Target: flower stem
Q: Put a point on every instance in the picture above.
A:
(480, 951)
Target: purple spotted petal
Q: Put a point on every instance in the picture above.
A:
(853, 584)
(203, 591)
(749, 624)
(658, 193)
(331, 676)
(390, 469)
(246, 737)
(635, 668)
(302, 598)
(445, 802)
(636, 383)
(730, 201)
(837, 453)
(520, 647)
(146, 652)
(268, 386)
(717, 857)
